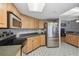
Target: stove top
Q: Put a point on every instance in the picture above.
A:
(5, 35)
(8, 38)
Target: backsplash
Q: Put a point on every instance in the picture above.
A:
(15, 31)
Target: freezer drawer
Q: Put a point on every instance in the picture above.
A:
(53, 42)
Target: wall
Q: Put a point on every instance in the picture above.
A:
(72, 26)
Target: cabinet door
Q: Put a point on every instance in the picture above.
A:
(28, 45)
(2, 25)
(68, 38)
(43, 40)
(75, 39)
(35, 42)
(3, 16)
(31, 23)
(41, 24)
(39, 41)
(78, 42)
(72, 37)
(36, 23)
(27, 22)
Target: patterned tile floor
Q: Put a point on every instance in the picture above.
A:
(64, 50)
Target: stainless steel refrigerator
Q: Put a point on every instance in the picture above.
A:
(52, 34)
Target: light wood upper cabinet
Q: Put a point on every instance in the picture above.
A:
(32, 23)
(41, 24)
(36, 23)
(3, 13)
(3, 16)
(27, 22)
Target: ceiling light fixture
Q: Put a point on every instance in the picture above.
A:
(36, 7)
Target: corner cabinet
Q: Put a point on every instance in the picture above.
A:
(32, 43)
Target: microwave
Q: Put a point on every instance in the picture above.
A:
(13, 21)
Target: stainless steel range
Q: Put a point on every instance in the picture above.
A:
(8, 38)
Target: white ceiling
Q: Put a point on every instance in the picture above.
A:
(72, 12)
(51, 10)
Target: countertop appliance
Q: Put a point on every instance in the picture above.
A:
(13, 20)
(52, 34)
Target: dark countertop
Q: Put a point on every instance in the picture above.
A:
(74, 33)
(17, 40)
(29, 35)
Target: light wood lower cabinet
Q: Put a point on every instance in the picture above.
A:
(32, 43)
(72, 39)
(43, 40)
(68, 38)
(36, 42)
(28, 45)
